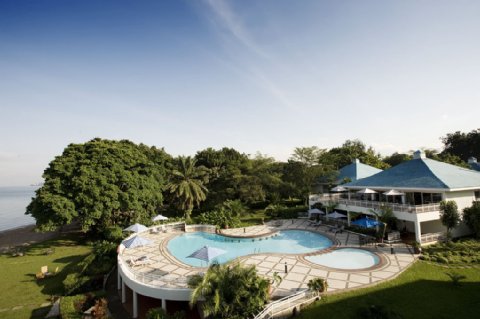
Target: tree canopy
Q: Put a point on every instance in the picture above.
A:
(99, 184)
(462, 144)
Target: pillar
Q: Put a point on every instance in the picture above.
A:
(119, 281)
(124, 296)
(348, 218)
(135, 304)
(164, 304)
(418, 231)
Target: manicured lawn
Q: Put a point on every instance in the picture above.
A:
(254, 218)
(20, 290)
(423, 291)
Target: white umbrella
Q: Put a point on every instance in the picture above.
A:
(366, 191)
(136, 241)
(136, 228)
(339, 189)
(336, 215)
(393, 192)
(207, 253)
(159, 217)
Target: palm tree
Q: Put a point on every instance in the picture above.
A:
(230, 291)
(186, 184)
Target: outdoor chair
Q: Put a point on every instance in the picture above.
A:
(154, 230)
(39, 275)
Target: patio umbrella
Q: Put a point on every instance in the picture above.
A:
(136, 228)
(339, 189)
(366, 222)
(393, 192)
(207, 253)
(366, 191)
(314, 211)
(336, 215)
(136, 241)
(159, 217)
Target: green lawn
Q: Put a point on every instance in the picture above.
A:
(254, 218)
(422, 291)
(21, 295)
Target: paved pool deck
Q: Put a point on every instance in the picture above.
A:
(166, 270)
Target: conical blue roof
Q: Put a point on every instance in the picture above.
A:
(356, 171)
(421, 173)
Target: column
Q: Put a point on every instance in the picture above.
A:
(135, 304)
(124, 297)
(418, 231)
(164, 304)
(348, 218)
(119, 280)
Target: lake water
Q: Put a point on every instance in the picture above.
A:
(13, 203)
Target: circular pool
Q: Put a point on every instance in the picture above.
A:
(346, 258)
(283, 242)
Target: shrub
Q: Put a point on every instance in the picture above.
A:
(280, 211)
(318, 284)
(113, 234)
(67, 307)
(74, 282)
(159, 313)
(221, 218)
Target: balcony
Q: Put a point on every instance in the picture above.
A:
(406, 208)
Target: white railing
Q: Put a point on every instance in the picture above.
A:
(416, 209)
(286, 303)
(432, 237)
(200, 227)
(155, 280)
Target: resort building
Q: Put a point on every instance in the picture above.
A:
(349, 173)
(413, 190)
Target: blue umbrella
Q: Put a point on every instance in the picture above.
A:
(136, 241)
(207, 253)
(136, 228)
(366, 222)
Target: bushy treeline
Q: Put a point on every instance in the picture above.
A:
(102, 184)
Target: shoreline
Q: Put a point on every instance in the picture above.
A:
(22, 236)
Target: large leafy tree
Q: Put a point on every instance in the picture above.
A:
(397, 158)
(99, 184)
(462, 144)
(355, 149)
(233, 292)
(445, 157)
(187, 184)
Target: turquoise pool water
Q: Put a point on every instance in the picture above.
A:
(287, 242)
(346, 258)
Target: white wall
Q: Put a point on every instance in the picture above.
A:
(462, 198)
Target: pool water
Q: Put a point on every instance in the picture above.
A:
(286, 241)
(346, 258)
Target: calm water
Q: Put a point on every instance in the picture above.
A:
(287, 241)
(346, 258)
(13, 201)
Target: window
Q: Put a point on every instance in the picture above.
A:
(477, 195)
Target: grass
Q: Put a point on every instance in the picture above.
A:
(423, 291)
(253, 218)
(21, 295)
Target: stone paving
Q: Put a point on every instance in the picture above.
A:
(165, 270)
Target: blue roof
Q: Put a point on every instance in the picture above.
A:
(356, 171)
(421, 173)
(475, 166)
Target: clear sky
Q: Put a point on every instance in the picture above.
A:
(262, 76)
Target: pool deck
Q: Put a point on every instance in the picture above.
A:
(164, 270)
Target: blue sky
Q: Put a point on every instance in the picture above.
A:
(263, 76)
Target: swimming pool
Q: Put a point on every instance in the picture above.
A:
(285, 241)
(346, 258)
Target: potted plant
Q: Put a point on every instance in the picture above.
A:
(318, 284)
(417, 247)
(276, 280)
